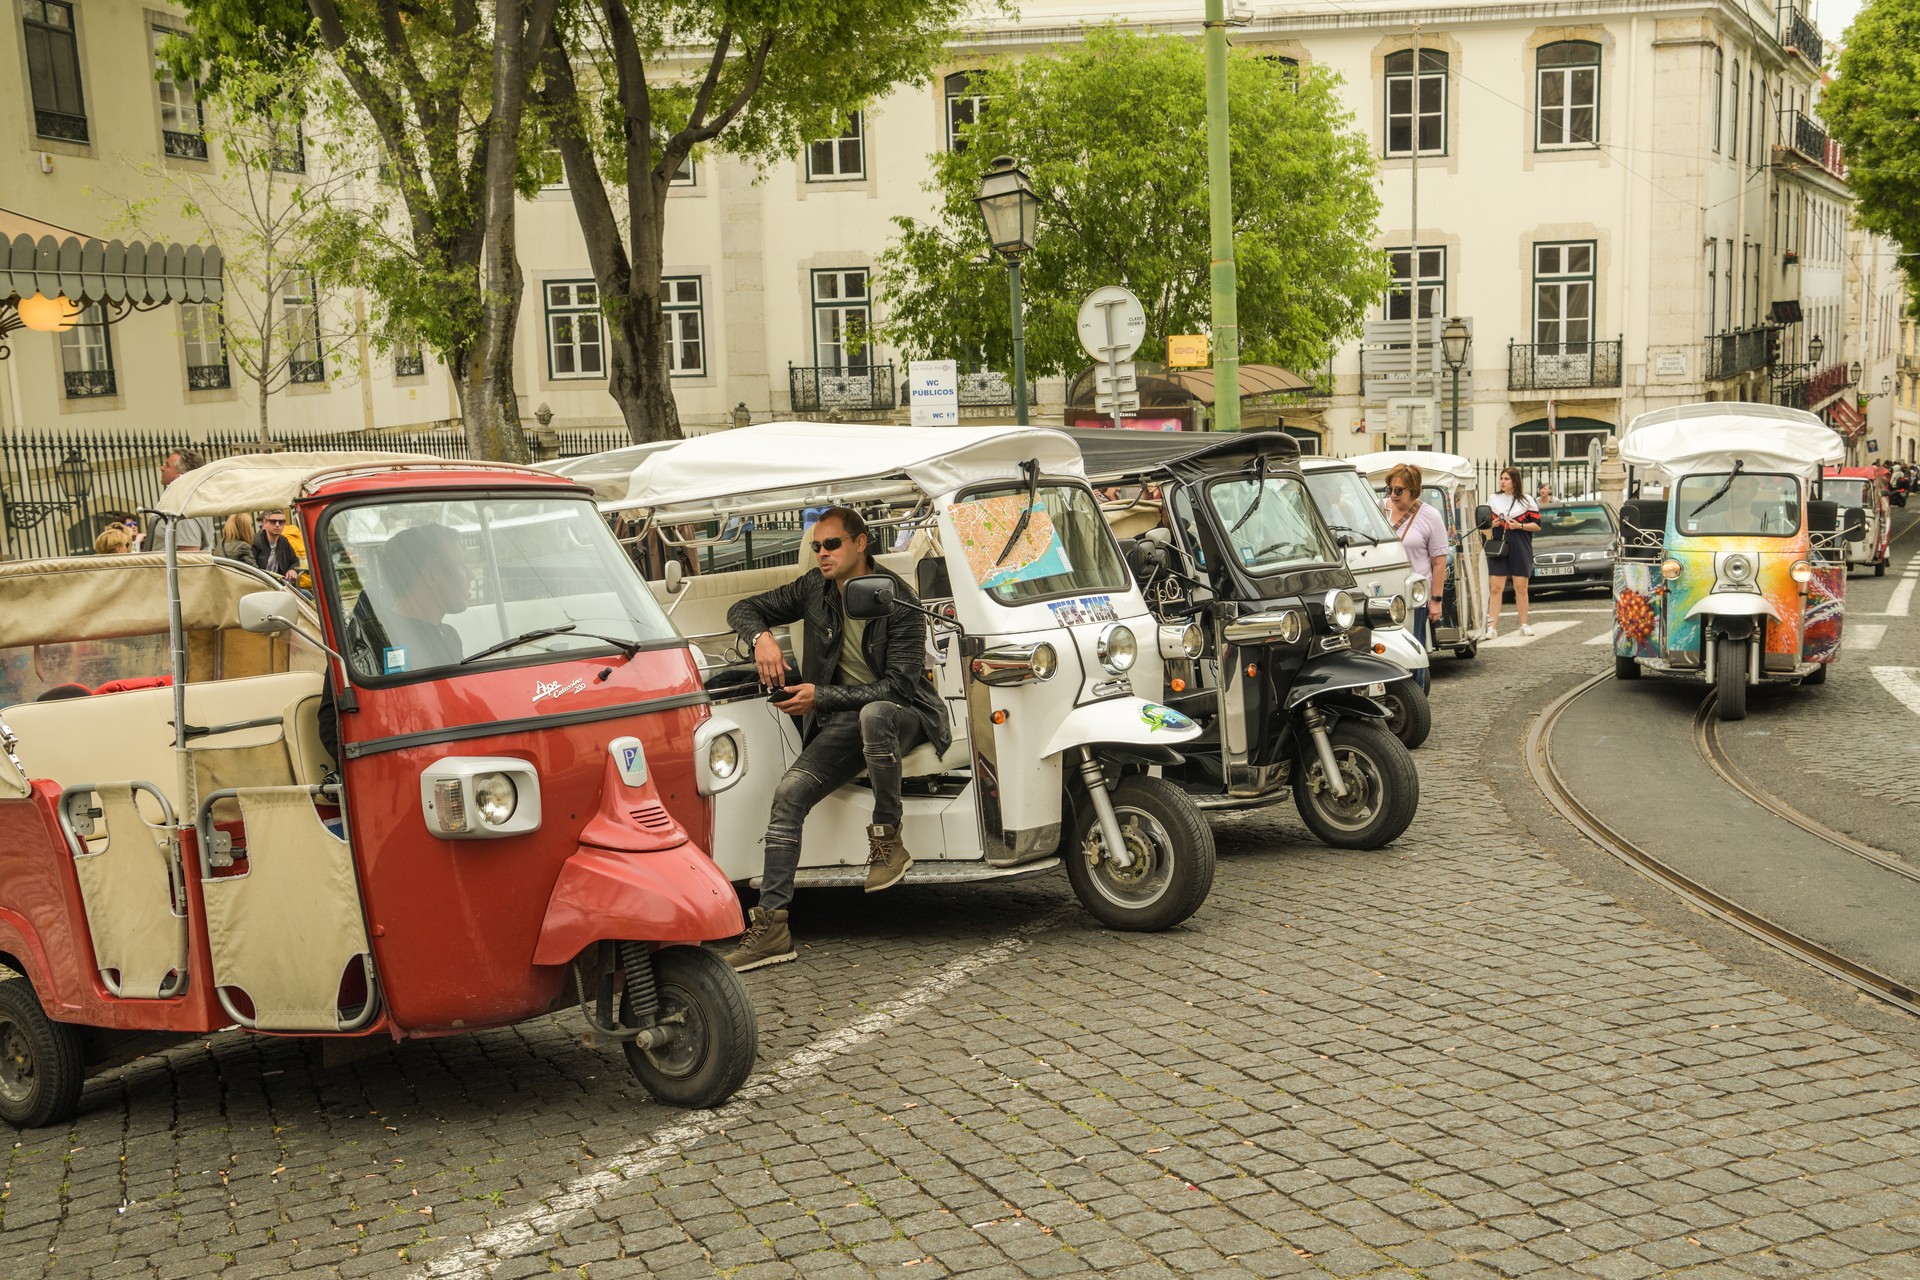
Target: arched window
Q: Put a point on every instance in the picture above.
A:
(1568, 99)
(1415, 106)
(964, 107)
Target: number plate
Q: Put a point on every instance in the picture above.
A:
(1562, 572)
(1376, 691)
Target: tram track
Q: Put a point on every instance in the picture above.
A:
(1553, 785)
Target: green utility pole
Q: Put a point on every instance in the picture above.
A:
(1226, 307)
(1019, 343)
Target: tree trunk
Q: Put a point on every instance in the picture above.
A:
(637, 372)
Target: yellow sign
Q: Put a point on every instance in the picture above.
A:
(1187, 351)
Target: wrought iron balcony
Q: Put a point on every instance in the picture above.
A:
(854, 389)
(184, 146)
(83, 384)
(1802, 37)
(1731, 354)
(989, 389)
(1560, 366)
(1812, 392)
(60, 125)
(291, 159)
(307, 371)
(409, 366)
(1805, 136)
(208, 377)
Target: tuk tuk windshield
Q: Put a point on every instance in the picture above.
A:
(1750, 504)
(1847, 491)
(426, 584)
(1348, 504)
(1271, 523)
(1063, 548)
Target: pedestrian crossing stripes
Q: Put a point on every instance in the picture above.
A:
(1514, 640)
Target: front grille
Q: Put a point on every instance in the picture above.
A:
(1554, 557)
(651, 817)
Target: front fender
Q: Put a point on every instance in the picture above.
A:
(1741, 604)
(1129, 720)
(20, 943)
(1402, 649)
(673, 895)
(1341, 671)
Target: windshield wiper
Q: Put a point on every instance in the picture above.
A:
(1032, 468)
(1367, 538)
(627, 647)
(1259, 492)
(1721, 492)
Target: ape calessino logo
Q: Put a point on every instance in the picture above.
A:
(543, 689)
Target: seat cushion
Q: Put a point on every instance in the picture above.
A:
(924, 760)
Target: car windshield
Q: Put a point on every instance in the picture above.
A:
(1348, 503)
(1271, 523)
(1585, 520)
(424, 584)
(1846, 491)
(1064, 547)
(1749, 503)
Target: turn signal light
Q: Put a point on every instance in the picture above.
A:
(1177, 684)
(1253, 669)
(1000, 717)
(1379, 648)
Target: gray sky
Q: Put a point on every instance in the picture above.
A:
(1834, 16)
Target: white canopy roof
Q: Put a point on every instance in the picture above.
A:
(790, 464)
(608, 473)
(1432, 465)
(265, 481)
(1709, 437)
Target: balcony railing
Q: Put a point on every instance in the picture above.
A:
(855, 389)
(306, 371)
(1731, 354)
(60, 125)
(410, 366)
(185, 146)
(208, 377)
(990, 389)
(84, 384)
(1805, 136)
(1801, 36)
(1810, 393)
(1556, 366)
(291, 159)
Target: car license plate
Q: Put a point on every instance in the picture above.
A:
(1565, 571)
(1376, 691)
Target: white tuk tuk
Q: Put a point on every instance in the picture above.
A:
(1042, 638)
(1451, 484)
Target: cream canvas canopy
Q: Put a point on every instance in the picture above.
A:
(1432, 465)
(106, 597)
(791, 464)
(265, 481)
(1710, 437)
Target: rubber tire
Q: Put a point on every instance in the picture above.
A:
(695, 978)
(1468, 650)
(1399, 784)
(1879, 568)
(1410, 715)
(1625, 668)
(56, 1056)
(1730, 655)
(1818, 677)
(1191, 856)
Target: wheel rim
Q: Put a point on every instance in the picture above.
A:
(1396, 705)
(1366, 789)
(685, 1053)
(1147, 879)
(17, 1075)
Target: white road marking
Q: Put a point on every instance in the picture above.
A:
(1512, 639)
(1864, 636)
(1605, 637)
(1901, 602)
(1899, 682)
(1539, 610)
(519, 1234)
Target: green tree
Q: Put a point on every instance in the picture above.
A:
(625, 103)
(1112, 135)
(1873, 109)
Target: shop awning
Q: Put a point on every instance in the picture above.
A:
(1847, 416)
(38, 257)
(1255, 380)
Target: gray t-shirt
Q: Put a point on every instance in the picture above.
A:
(195, 533)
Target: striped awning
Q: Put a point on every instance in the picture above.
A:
(110, 273)
(1847, 417)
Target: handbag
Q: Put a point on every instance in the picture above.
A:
(1496, 544)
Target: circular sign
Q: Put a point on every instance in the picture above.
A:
(1112, 323)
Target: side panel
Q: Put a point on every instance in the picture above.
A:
(1639, 610)
(1826, 613)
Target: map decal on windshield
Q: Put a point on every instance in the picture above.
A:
(984, 527)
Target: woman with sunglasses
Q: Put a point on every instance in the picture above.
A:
(1424, 534)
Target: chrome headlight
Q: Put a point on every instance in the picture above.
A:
(1179, 640)
(1293, 626)
(1802, 572)
(724, 756)
(1116, 648)
(1044, 661)
(495, 796)
(1419, 590)
(1015, 664)
(1341, 611)
(720, 748)
(1386, 611)
(1736, 569)
(479, 797)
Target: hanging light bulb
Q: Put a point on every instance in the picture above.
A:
(48, 315)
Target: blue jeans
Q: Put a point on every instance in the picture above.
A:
(1418, 623)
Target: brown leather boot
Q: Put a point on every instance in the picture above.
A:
(766, 941)
(887, 859)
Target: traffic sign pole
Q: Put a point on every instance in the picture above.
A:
(1226, 306)
(1019, 344)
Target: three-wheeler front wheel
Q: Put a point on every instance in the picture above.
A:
(1171, 871)
(1409, 715)
(41, 1062)
(710, 1050)
(1383, 787)
(1730, 677)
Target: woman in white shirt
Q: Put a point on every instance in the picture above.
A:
(1516, 518)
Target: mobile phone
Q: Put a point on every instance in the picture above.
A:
(780, 695)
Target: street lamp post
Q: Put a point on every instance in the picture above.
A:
(1455, 340)
(1010, 210)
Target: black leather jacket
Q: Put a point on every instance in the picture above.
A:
(896, 649)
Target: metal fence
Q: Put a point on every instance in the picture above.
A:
(1732, 354)
(59, 489)
(1562, 365)
(857, 390)
(1565, 479)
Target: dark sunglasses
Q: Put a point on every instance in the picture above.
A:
(274, 520)
(829, 544)
(1397, 490)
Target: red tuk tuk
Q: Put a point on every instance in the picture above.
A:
(1865, 488)
(465, 785)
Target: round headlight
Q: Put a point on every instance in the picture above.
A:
(723, 757)
(1397, 612)
(1670, 569)
(495, 796)
(1341, 612)
(1737, 569)
(1419, 590)
(1044, 661)
(1802, 572)
(1193, 641)
(1293, 625)
(1116, 648)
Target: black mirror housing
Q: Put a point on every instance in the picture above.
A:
(1823, 516)
(1856, 524)
(1483, 516)
(870, 596)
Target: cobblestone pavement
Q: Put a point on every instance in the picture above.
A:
(1451, 1058)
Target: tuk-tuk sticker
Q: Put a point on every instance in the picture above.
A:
(393, 661)
(983, 528)
(1075, 613)
(1159, 717)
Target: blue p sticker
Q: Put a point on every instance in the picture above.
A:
(392, 660)
(630, 758)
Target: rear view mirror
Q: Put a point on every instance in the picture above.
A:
(1856, 524)
(675, 577)
(1483, 516)
(870, 596)
(269, 613)
(1823, 516)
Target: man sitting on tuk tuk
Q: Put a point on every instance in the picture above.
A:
(864, 700)
(399, 623)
